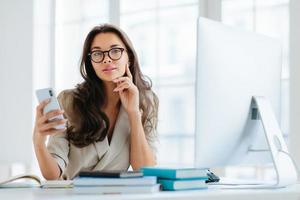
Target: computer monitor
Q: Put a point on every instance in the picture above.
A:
(234, 68)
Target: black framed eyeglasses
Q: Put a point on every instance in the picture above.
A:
(97, 56)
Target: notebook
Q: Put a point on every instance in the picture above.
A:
(31, 180)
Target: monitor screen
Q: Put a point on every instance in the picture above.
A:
(232, 67)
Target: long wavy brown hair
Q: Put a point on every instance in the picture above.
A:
(89, 96)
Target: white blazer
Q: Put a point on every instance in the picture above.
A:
(98, 155)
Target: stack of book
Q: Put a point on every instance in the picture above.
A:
(110, 182)
(178, 179)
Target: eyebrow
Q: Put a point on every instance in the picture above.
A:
(111, 46)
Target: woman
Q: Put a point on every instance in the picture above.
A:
(111, 117)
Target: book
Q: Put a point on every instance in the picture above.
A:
(175, 173)
(31, 180)
(184, 184)
(98, 181)
(117, 189)
(110, 173)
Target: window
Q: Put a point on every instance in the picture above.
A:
(166, 45)
(71, 27)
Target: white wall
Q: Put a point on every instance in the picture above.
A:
(295, 79)
(43, 45)
(16, 29)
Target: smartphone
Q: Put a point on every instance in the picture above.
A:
(48, 93)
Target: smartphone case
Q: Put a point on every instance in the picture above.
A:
(48, 93)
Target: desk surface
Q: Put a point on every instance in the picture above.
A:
(289, 193)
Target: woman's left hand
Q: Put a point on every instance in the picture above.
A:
(129, 93)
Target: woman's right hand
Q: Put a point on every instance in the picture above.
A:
(43, 126)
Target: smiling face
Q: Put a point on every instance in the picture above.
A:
(110, 67)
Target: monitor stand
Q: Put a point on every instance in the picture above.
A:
(283, 163)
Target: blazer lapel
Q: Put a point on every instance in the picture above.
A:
(119, 138)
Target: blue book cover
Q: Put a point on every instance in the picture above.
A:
(185, 184)
(175, 173)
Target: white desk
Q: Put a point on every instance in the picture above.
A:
(289, 193)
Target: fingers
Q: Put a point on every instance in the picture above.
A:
(122, 79)
(122, 86)
(40, 108)
(53, 113)
(54, 131)
(50, 115)
(46, 123)
(51, 125)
